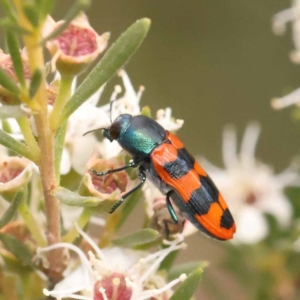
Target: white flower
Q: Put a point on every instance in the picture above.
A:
(89, 117)
(129, 103)
(79, 148)
(250, 187)
(114, 271)
(280, 21)
(163, 117)
(287, 100)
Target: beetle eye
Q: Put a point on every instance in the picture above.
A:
(114, 131)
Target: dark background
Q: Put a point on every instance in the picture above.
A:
(214, 62)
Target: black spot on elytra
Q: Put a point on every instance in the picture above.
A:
(184, 154)
(226, 219)
(198, 202)
(202, 198)
(177, 168)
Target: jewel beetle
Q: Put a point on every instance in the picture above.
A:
(160, 156)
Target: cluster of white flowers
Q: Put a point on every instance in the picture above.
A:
(89, 117)
(115, 273)
(250, 187)
(280, 21)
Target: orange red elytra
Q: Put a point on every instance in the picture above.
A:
(160, 156)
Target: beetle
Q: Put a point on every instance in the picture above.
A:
(160, 156)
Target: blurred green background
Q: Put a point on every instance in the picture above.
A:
(214, 62)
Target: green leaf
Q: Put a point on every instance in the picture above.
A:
(139, 238)
(59, 140)
(14, 145)
(187, 289)
(167, 263)
(14, 50)
(32, 14)
(35, 82)
(11, 25)
(11, 111)
(146, 111)
(186, 268)
(45, 7)
(75, 9)
(8, 215)
(128, 206)
(8, 7)
(7, 82)
(70, 198)
(117, 55)
(293, 193)
(17, 248)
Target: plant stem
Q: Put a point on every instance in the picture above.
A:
(46, 144)
(29, 138)
(62, 97)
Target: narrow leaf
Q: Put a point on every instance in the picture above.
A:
(14, 50)
(11, 25)
(75, 9)
(14, 145)
(35, 82)
(139, 238)
(32, 14)
(167, 263)
(58, 148)
(186, 268)
(8, 6)
(8, 215)
(8, 83)
(11, 111)
(17, 248)
(128, 206)
(45, 7)
(188, 288)
(112, 61)
(70, 198)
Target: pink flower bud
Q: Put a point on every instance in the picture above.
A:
(6, 97)
(77, 46)
(110, 186)
(15, 172)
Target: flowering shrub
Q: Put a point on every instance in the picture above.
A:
(57, 239)
(44, 116)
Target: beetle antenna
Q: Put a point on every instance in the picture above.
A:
(113, 98)
(92, 131)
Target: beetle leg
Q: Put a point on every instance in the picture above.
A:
(142, 176)
(170, 208)
(132, 164)
(167, 230)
